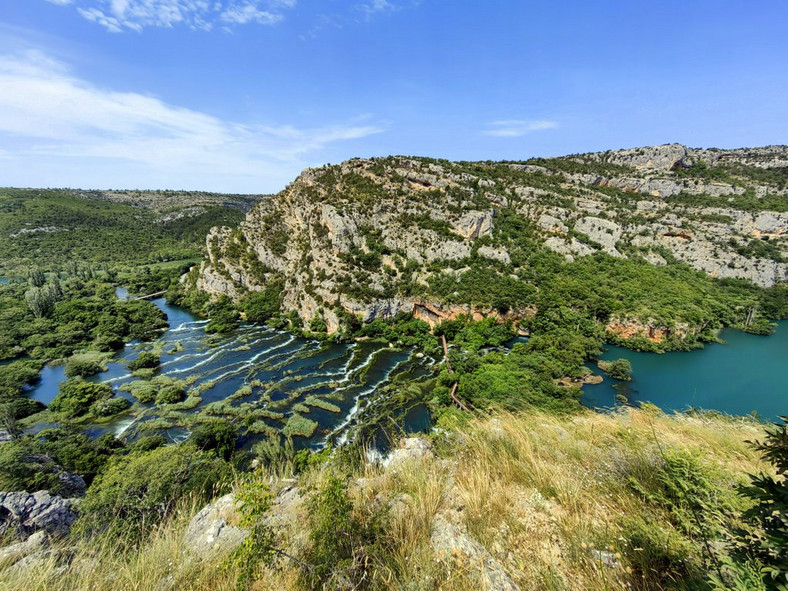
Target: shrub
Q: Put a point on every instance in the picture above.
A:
(85, 365)
(218, 436)
(110, 407)
(135, 492)
(170, 395)
(343, 542)
(767, 537)
(259, 306)
(298, 425)
(145, 360)
(620, 369)
(76, 397)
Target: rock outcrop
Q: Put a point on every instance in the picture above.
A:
(23, 514)
(375, 238)
(214, 531)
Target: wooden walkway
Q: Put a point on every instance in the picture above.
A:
(453, 393)
(150, 295)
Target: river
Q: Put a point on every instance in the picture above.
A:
(279, 370)
(747, 373)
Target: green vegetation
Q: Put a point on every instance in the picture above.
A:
(620, 369)
(138, 490)
(145, 360)
(51, 228)
(77, 398)
(87, 316)
(299, 426)
(766, 534)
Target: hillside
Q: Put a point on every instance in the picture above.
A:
(49, 227)
(531, 501)
(660, 245)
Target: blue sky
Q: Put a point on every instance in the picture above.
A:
(241, 95)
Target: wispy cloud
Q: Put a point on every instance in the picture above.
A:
(48, 114)
(518, 127)
(357, 13)
(135, 15)
(374, 7)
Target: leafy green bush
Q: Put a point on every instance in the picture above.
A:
(170, 394)
(145, 360)
(259, 306)
(135, 492)
(110, 407)
(76, 397)
(620, 369)
(767, 536)
(219, 436)
(83, 367)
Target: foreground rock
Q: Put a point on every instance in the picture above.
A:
(213, 531)
(27, 551)
(452, 544)
(23, 514)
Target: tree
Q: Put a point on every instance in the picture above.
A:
(620, 369)
(77, 396)
(36, 277)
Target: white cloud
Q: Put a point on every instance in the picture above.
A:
(376, 6)
(121, 15)
(247, 13)
(48, 115)
(517, 127)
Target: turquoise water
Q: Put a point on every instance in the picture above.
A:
(748, 373)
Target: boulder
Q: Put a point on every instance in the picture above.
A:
(25, 513)
(32, 546)
(213, 531)
(410, 449)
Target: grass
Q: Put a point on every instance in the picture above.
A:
(546, 496)
(300, 426)
(323, 404)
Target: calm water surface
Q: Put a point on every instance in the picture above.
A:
(747, 373)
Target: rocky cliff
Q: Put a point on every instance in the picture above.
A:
(377, 237)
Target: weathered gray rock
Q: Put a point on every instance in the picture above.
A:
(603, 231)
(649, 158)
(214, 531)
(410, 449)
(25, 513)
(33, 545)
(453, 544)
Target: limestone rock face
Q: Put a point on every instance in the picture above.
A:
(25, 513)
(661, 158)
(373, 237)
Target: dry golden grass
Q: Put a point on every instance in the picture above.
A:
(539, 492)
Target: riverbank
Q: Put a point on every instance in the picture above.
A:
(744, 374)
